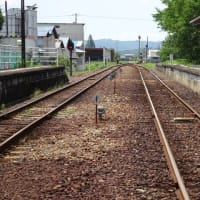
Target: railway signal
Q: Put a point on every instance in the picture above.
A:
(70, 47)
(99, 109)
(112, 76)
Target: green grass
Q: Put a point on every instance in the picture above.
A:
(2, 106)
(149, 65)
(36, 93)
(175, 62)
(69, 111)
(93, 66)
(28, 112)
(180, 62)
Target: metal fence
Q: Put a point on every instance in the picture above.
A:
(10, 56)
(42, 56)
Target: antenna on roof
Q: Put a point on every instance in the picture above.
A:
(76, 15)
(33, 7)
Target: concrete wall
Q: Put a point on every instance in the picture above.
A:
(186, 76)
(98, 54)
(14, 23)
(21, 83)
(106, 54)
(30, 43)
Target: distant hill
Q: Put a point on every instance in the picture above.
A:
(125, 46)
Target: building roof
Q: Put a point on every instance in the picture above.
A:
(195, 21)
(60, 23)
(78, 43)
(59, 44)
(94, 49)
(64, 39)
(79, 50)
(45, 30)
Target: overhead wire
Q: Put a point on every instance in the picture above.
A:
(116, 18)
(101, 17)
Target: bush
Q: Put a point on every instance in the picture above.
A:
(64, 61)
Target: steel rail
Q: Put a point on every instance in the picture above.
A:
(13, 111)
(182, 191)
(12, 139)
(196, 114)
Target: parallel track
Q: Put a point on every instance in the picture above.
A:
(166, 107)
(17, 122)
(186, 110)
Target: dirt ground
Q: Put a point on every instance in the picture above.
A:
(72, 157)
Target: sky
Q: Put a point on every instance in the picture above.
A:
(104, 19)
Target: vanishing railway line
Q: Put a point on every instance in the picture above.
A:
(157, 109)
(178, 125)
(15, 123)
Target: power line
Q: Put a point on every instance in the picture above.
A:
(116, 18)
(61, 15)
(100, 17)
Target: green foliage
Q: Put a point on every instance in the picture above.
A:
(35, 62)
(36, 93)
(64, 61)
(94, 66)
(149, 65)
(179, 61)
(1, 20)
(116, 56)
(169, 47)
(2, 106)
(184, 38)
(90, 43)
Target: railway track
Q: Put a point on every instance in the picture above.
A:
(140, 170)
(178, 125)
(15, 123)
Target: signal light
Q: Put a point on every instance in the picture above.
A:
(70, 45)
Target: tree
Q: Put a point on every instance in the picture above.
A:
(1, 20)
(184, 38)
(169, 47)
(90, 43)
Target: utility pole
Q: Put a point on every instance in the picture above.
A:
(23, 39)
(147, 45)
(139, 38)
(76, 15)
(6, 10)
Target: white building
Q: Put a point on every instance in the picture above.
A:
(153, 55)
(14, 27)
(74, 31)
(43, 35)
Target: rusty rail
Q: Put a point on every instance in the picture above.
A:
(14, 138)
(3, 115)
(179, 98)
(182, 191)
